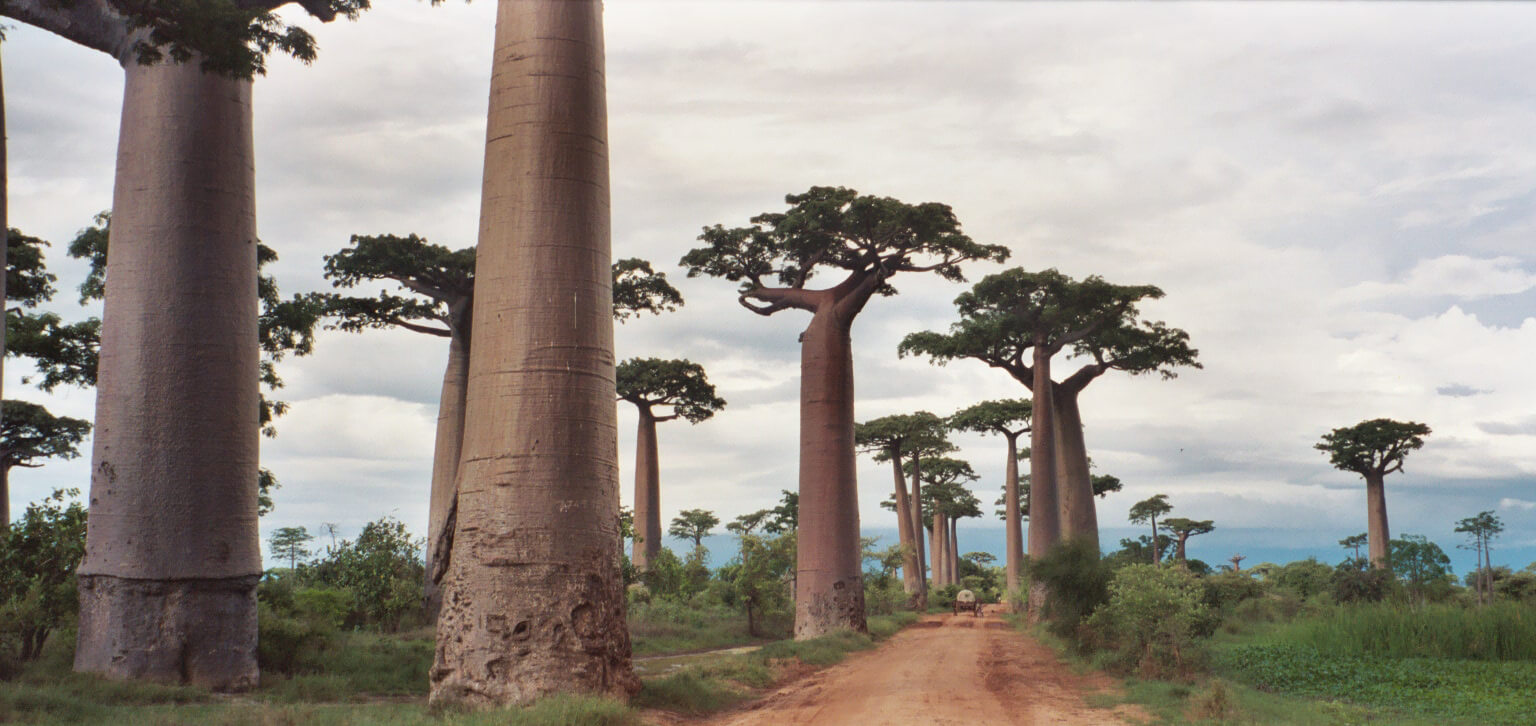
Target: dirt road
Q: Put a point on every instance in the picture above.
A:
(944, 670)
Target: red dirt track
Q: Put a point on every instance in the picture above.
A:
(945, 669)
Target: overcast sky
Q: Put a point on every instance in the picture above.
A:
(1338, 199)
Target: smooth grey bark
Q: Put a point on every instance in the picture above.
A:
(917, 520)
(1079, 513)
(167, 584)
(647, 493)
(1376, 520)
(442, 505)
(912, 580)
(1044, 521)
(533, 602)
(954, 550)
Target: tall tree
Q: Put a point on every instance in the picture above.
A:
(896, 439)
(694, 524)
(288, 543)
(1148, 510)
(681, 387)
(1420, 563)
(536, 604)
(1353, 543)
(944, 496)
(1373, 449)
(167, 585)
(867, 239)
(1480, 530)
(1008, 418)
(1183, 529)
(30, 434)
(1018, 321)
(439, 288)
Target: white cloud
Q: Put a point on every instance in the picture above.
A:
(1512, 503)
(1449, 275)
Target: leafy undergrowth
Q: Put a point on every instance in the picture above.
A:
(665, 626)
(1504, 631)
(721, 682)
(358, 666)
(1481, 692)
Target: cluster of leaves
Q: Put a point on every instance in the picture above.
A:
(38, 557)
(378, 576)
(1152, 622)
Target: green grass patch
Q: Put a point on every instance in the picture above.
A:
(1504, 631)
(1482, 692)
(665, 626)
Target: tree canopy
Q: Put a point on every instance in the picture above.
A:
(31, 433)
(1008, 416)
(678, 384)
(1188, 527)
(921, 431)
(1375, 447)
(834, 228)
(694, 524)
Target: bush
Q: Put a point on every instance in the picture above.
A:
(1152, 621)
(289, 643)
(1076, 582)
(1228, 589)
(1352, 584)
(1303, 577)
(884, 598)
(383, 571)
(38, 557)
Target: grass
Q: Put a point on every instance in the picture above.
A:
(1504, 631)
(668, 627)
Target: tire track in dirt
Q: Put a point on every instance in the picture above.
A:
(944, 670)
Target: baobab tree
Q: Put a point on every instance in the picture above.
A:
(868, 239)
(439, 291)
(1182, 529)
(1373, 449)
(1017, 321)
(1481, 530)
(944, 497)
(1008, 418)
(694, 524)
(30, 434)
(534, 602)
(681, 387)
(167, 584)
(898, 439)
(1148, 510)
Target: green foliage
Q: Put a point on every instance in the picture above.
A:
(1304, 577)
(1152, 621)
(678, 384)
(1076, 583)
(30, 433)
(27, 280)
(760, 583)
(1226, 590)
(1501, 631)
(1377, 446)
(382, 569)
(1357, 584)
(836, 228)
(694, 524)
(1009, 417)
(637, 288)
(921, 432)
(1422, 566)
(38, 557)
(287, 543)
(1442, 689)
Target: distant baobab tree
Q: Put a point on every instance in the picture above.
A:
(867, 240)
(1373, 449)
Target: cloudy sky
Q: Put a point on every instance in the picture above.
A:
(1339, 200)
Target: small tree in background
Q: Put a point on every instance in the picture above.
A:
(1420, 564)
(1353, 543)
(694, 524)
(38, 557)
(1010, 419)
(1480, 531)
(30, 435)
(1373, 449)
(1148, 510)
(1183, 529)
(288, 543)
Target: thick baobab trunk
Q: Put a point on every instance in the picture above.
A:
(533, 602)
(1079, 517)
(1178, 551)
(1157, 545)
(168, 581)
(917, 520)
(1044, 522)
(954, 551)
(938, 539)
(647, 493)
(1013, 525)
(441, 509)
(1376, 519)
(911, 567)
(829, 587)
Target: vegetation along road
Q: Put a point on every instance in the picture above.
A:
(943, 670)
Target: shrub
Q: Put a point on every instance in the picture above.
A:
(1152, 620)
(1076, 582)
(1304, 577)
(38, 557)
(1352, 584)
(884, 598)
(289, 643)
(1228, 589)
(383, 571)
